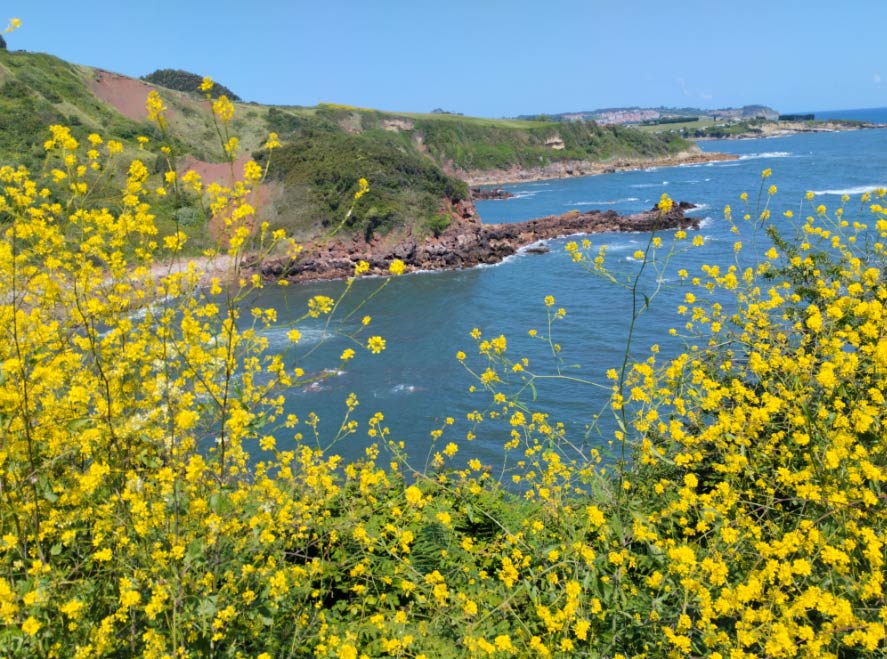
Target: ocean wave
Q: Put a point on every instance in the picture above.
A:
(403, 388)
(279, 336)
(618, 248)
(507, 259)
(319, 381)
(705, 222)
(649, 185)
(722, 164)
(611, 202)
(532, 246)
(859, 189)
(766, 154)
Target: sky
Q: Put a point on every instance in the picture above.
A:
(489, 58)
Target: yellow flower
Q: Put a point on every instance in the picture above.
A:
(503, 642)
(595, 516)
(223, 109)
(362, 188)
(320, 305)
(766, 173)
(155, 107)
(414, 495)
(103, 555)
(347, 651)
(207, 84)
(397, 267)
(376, 344)
(31, 626)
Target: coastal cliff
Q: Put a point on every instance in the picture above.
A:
(571, 168)
(464, 244)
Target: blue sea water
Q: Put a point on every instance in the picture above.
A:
(873, 115)
(426, 318)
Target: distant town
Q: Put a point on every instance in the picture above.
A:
(636, 115)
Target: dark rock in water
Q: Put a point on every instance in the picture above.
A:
(541, 249)
(483, 194)
(467, 243)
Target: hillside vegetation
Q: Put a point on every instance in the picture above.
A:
(185, 81)
(413, 162)
(38, 90)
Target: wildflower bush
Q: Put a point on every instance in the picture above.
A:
(147, 508)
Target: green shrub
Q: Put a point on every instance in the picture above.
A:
(185, 81)
(438, 223)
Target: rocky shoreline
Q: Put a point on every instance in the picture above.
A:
(484, 194)
(573, 168)
(786, 128)
(465, 244)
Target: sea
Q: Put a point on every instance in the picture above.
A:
(418, 384)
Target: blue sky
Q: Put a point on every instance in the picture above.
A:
(490, 58)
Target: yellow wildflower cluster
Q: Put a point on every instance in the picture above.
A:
(157, 500)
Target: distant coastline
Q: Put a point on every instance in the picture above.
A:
(574, 168)
(786, 128)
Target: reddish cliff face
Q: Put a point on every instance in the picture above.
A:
(126, 95)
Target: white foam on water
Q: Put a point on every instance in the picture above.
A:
(279, 335)
(649, 185)
(859, 189)
(534, 245)
(610, 202)
(766, 154)
(403, 388)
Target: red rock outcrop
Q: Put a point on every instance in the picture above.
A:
(464, 244)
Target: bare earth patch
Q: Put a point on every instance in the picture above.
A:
(126, 95)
